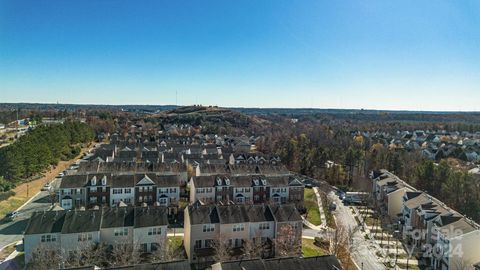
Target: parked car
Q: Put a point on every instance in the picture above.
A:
(11, 216)
(46, 187)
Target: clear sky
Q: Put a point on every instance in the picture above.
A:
(378, 54)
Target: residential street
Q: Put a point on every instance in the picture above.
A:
(12, 231)
(362, 253)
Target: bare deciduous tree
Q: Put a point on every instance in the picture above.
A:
(222, 249)
(252, 248)
(44, 258)
(341, 243)
(125, 253)
(287, 242)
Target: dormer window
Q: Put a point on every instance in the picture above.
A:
(227, 182)
(219, 181)
(104, 180)
(94, 181)
(264, 182)
(255, 181)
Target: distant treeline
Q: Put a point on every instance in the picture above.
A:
(41, 148)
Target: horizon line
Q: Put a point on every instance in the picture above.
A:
(247, 107)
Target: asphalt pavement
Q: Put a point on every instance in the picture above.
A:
(12, 231)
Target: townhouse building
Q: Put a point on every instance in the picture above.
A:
(246, 189)
(66, 232)
(89, 190)
(236, 224)
(445, 238)
(388, 191)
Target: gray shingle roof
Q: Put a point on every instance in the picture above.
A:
(82, 221)
(150, 216)
(46, 222)
(328, 262)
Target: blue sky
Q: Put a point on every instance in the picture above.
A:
(377, 54)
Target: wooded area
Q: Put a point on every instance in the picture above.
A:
(39, 149)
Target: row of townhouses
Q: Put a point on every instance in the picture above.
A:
(447, 239)
(107, 189)
(248, 189)
(237, 224)
(67, 231)
(145, 228)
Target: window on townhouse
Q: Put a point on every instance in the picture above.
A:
(238, 242)
(209, 190)
(93, 199)
(150, 188)
(198, 244)
(208, 243)
(48, 238)
(140, 198)
(104, 199)
(238, 227)
(150, 198)
(264, 226)
(154, 231)
(208, 228)
(162, 200)
(173, 190)
(79, 191)
(256, 197)
(121, 232)
(128, 191)
(117, 191)
(127, 200)
(93, 189)
(247, 189)
(82, 237)
(247, 199)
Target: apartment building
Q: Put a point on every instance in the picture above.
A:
(236, 224)
(246, 189)
(67, 231)
(89, 190)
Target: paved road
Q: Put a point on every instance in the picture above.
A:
(13, 231)
(362, 252)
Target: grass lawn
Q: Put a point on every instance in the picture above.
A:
(311, 205)
(20, 197)
(309, 249)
